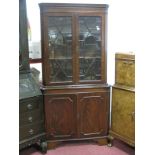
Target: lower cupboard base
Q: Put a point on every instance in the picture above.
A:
(52, 144)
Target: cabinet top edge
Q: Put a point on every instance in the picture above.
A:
(125, 56)
(73, 5)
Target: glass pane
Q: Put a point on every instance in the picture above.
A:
(60, 48)
(90, 48)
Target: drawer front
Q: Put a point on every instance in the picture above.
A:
(31, 104)
(125, 72)
(28, 131)
(123, 113)
(31, 117)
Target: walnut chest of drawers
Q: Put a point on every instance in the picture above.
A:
(123, 99)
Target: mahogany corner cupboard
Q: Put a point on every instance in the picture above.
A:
(74, 64)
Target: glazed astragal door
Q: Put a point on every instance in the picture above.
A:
(59, 53)
(74, 46)
(90, 43)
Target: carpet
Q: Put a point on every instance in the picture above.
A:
(84, 148)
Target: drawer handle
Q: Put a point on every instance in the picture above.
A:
(29, 106)
(30, 119)
(31, 131)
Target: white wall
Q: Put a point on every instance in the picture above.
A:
(120, 32)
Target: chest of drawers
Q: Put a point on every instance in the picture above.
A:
(31, 112)
(123, 99)
(31, 120)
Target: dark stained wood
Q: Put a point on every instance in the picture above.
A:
(45, 66)
(72, 7)
(39, 60)
(68, 115)
(60, 116)
(74, 50)
(75, 89)
(104, 46)
(75, 110)
(93, 113)
(73, 11)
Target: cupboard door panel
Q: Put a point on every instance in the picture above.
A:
(60, 116)
(123, 117)
(93, 112)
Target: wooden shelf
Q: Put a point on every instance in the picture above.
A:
(61, 58)
(97, 57)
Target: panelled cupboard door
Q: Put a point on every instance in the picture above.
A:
(93, 109)
(60, 116)
(123, 114)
